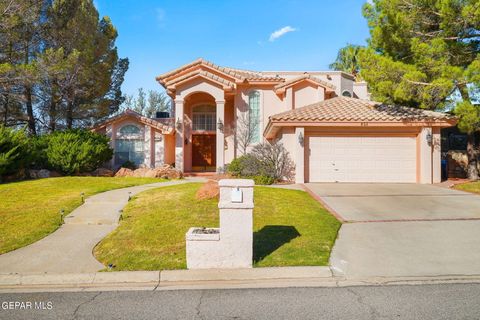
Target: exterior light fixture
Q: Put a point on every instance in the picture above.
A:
(179, 124)
(62, 214)
(220, 125)
(129, 196)
(82, 195)
(301, 139)
(429, 138)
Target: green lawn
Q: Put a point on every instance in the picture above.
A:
(29, 210)
(469, 187)
(290, 229)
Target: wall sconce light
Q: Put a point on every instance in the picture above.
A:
(429, 138)
(220, 125)
(178, 124)
(186, 141)
(301, 139)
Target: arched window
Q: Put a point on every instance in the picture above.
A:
(347, 93)
(204, 118)
(129, 129)
(129, 145)
(254, 115)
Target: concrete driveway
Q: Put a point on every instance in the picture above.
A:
(403, 230)
(385, 202)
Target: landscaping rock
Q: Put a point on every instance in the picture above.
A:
(44, 173)
(209, 190)
(124, 172)
(165, 171)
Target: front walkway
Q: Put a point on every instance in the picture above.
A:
(69, 249)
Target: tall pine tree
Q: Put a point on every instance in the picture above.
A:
(422, 51)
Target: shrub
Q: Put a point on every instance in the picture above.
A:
(14, 151)
(129, 165)
(266, 164)
(262, 179)
(275, 160)
(76, 151)
(245, 166)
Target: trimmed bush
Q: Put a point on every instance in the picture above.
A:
(263, 180)
(14, 151)
(76, 151)
(266, 164)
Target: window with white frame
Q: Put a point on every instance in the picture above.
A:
(129, 145)
(254, 115)
(204, 118)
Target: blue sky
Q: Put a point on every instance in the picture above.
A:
(158, 36)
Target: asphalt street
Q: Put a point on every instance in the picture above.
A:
(439, 301)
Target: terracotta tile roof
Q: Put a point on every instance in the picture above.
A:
(164, 125)
(306, 76)
(224, 82)
(340, 109)
(237, 75)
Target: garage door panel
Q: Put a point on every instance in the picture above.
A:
(362, 159)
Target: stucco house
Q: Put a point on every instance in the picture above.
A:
(325, 119)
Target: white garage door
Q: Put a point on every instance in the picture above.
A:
(362, 159)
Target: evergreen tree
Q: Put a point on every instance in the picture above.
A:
(420, 52)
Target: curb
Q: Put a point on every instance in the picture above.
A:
(156, 279)
(282, 277)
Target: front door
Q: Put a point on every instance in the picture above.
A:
(204, 152)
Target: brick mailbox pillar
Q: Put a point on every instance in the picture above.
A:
(231, 245)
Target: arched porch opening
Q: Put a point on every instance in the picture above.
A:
(200, 132)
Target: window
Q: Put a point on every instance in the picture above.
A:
(204, 118)
(129, 129)
(129, 145)
(346, 93)
(254, 115)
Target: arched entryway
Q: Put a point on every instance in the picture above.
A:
(200, 132)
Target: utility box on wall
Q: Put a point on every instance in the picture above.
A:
(231, 245)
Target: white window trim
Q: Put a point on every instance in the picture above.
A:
(260, 113)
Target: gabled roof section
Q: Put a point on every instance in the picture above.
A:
(228, 77)
(280, 88)
(165, 126)
(351, 111)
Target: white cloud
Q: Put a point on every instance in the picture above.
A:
(281, 32)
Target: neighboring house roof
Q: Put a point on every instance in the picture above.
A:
(228, 77)
(343, 110)
(163, 125)
(280, 88)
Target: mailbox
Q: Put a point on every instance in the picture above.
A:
(237, 195)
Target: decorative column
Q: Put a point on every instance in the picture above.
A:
(299, 155)
(220, 152)
(179, 134)
(437, 156)
(147, 147)
(111, 134)
(425, 144)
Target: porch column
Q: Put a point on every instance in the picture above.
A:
(147, 147)
(179, 135)
(111, 134)
(425, 157)
(437, 156)
(220, 135)
(299, 155)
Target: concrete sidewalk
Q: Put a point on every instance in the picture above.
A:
(69, 249)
